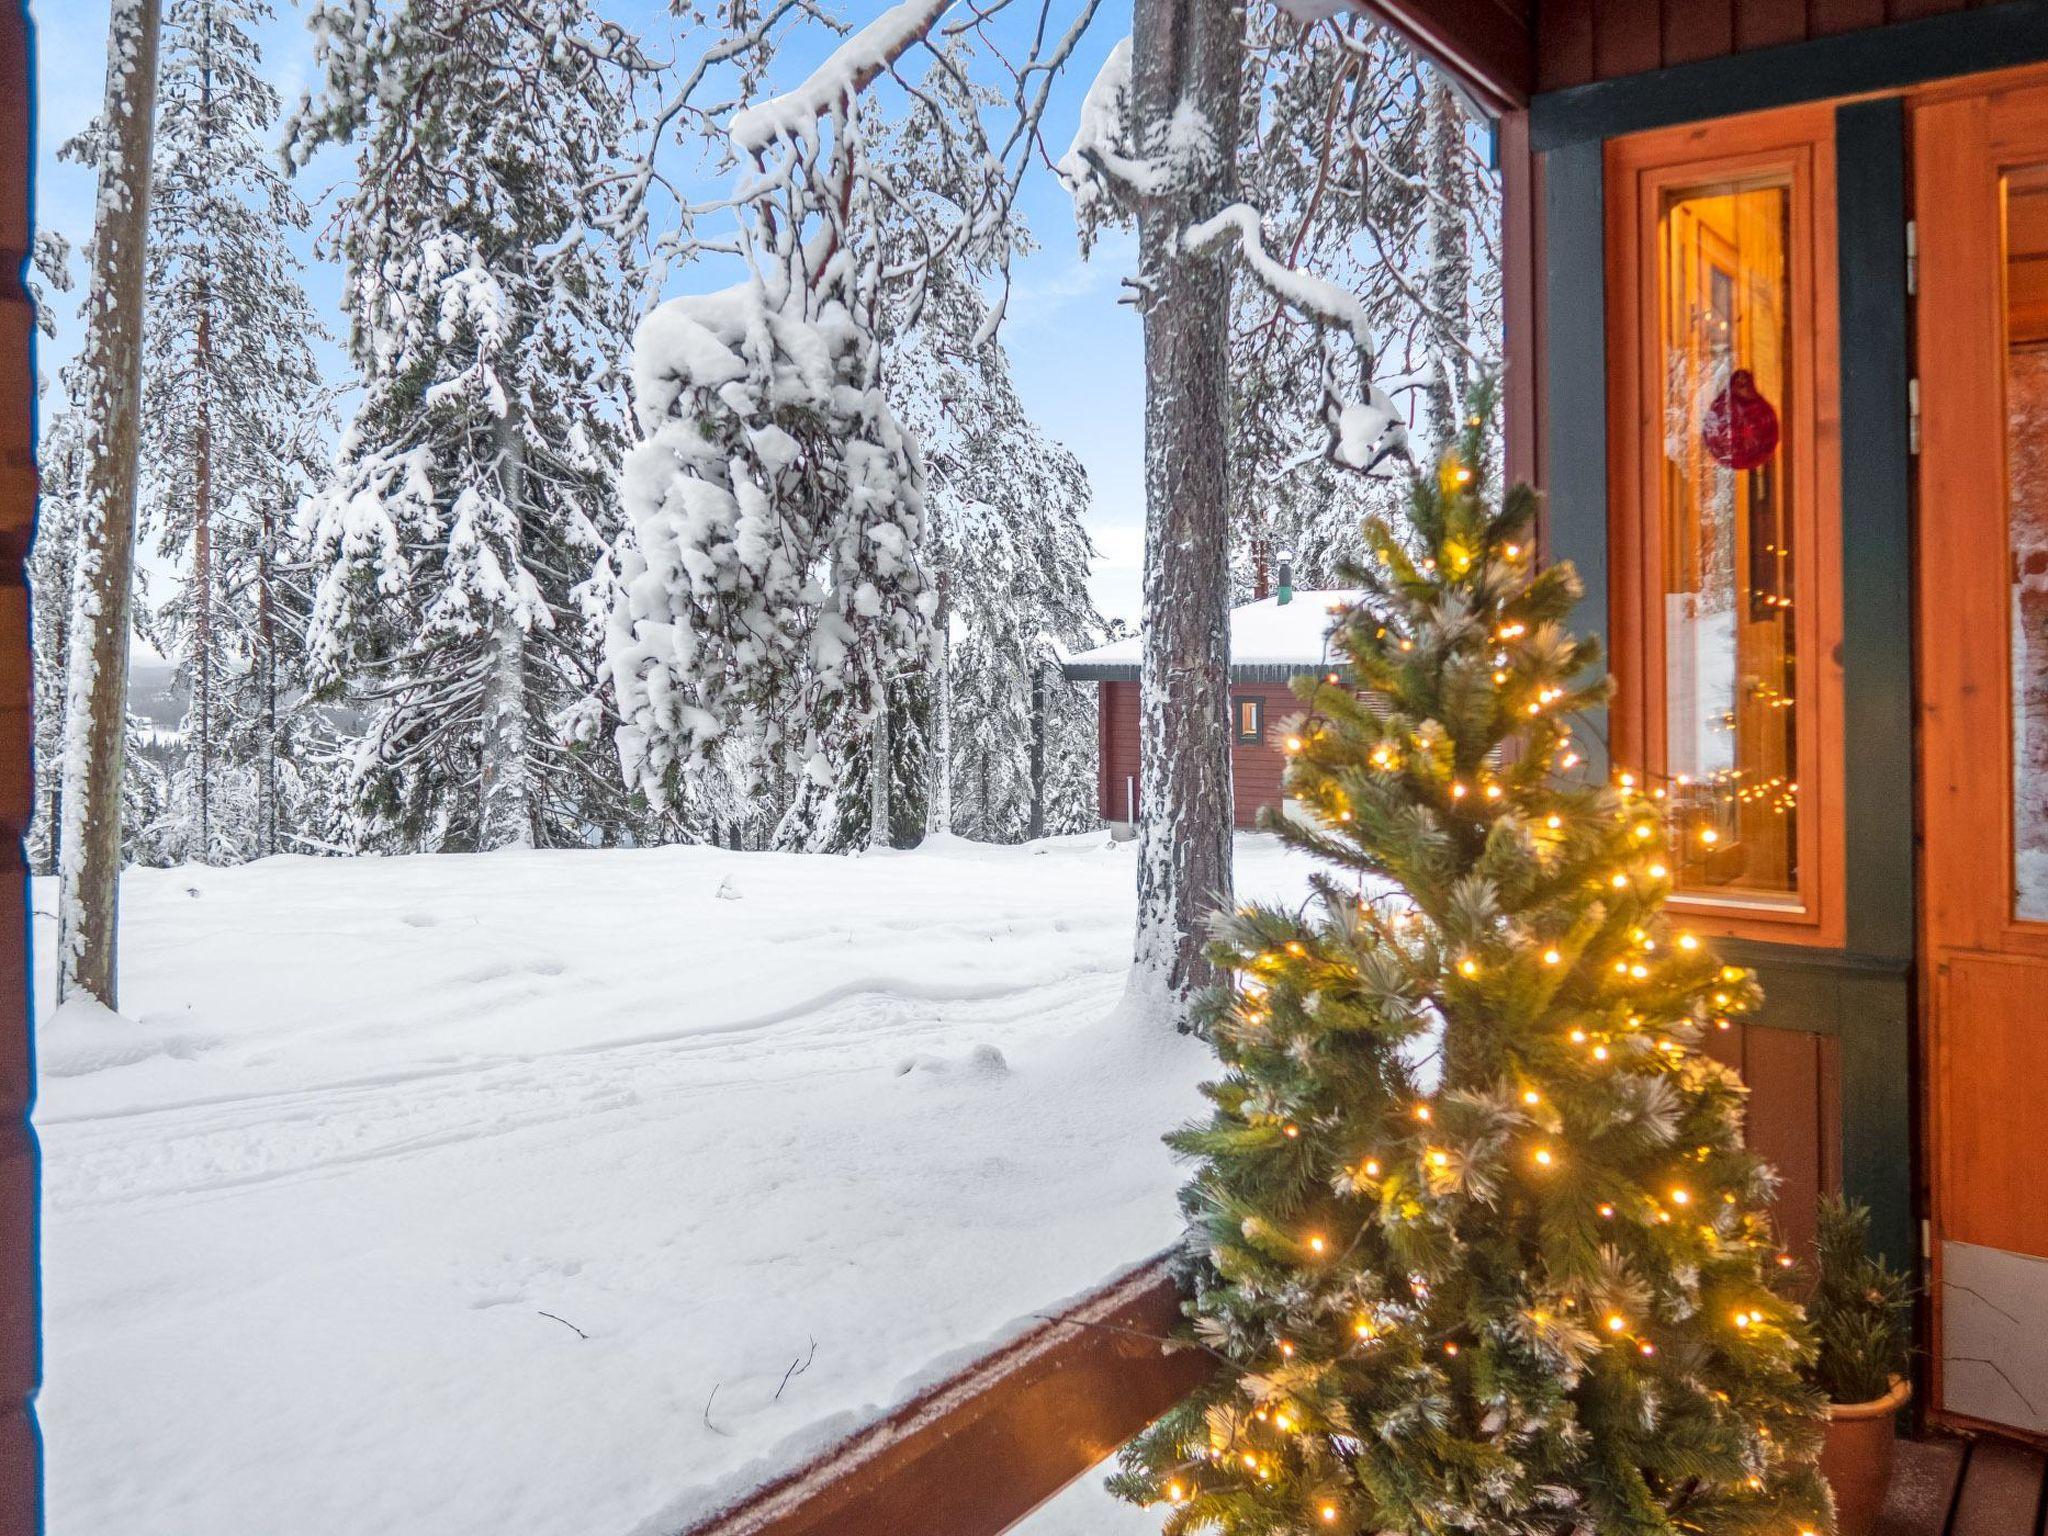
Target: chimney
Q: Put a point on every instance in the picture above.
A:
(1286, 592)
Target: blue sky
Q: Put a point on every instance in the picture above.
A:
(1076, 351)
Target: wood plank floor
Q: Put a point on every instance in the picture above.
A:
(1965, 1488)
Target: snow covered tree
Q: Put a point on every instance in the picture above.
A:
(1010, 561)
(455, 542)
(873, 232)
(1160, 141)
(51, 567)
(771, 593)
(1476, 1240)
(96, 710)
(230, 395)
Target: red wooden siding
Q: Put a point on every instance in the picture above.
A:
(1116, 785)
(18, 1452)
(1795, 1115)
(1581, 41)
(1255, 770)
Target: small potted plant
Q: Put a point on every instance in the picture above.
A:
(1861, 1312)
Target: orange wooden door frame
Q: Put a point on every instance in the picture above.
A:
(1796, 143)
(1984, 971)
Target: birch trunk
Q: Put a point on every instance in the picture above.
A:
(1187, 58)
(507, 772)
(96, 714)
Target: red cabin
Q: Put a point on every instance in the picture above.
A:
(1271, 641)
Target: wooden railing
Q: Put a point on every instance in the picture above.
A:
(978, 1452)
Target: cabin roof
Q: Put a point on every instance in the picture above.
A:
(1270, 641)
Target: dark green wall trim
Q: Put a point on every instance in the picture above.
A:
(1866, 1003)
(1864, 995)
(1877, 574)
(1575, 385)
(1877, 668)
(1877, 59)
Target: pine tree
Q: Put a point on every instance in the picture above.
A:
(455, 544)
(230, 395)
(1010, 556)
(96, 710)
(1478, 1247)
(51, 568)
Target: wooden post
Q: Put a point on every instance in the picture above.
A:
(20, 1448)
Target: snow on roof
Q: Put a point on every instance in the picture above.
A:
(1268, 634)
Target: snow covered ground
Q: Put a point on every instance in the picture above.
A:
(501, 1193)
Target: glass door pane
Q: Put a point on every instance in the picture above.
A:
(1730, 662)
(2025, 194)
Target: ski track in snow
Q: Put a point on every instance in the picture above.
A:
(375, 1119)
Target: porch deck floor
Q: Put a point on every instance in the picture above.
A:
(1948, 1487)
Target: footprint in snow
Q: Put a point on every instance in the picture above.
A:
(982, 1061)
(727, 891)
(419, 920)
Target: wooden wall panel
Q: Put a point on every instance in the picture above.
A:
(1117, 731)
(1768, 23)
(1703, 30)
(1795, 1114)
(20, 1458)
(1628, 37)
(1830, 18)
(1579, 42)
(1783, 1070)
(1255, 770)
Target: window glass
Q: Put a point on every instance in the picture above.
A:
(2026, 332)
(1251, 721)
(1729, 595)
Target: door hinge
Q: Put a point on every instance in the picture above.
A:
(1912, 416)
(1912, 257)
(1926, 1238)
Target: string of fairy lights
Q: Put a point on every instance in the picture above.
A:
(1432, 1162)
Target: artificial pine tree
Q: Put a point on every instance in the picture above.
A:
(1478, 1247)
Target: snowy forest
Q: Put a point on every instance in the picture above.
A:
(575, 946)
(677, 487)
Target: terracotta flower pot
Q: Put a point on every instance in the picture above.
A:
(1856, 1458)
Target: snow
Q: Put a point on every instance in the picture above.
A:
(853, 65)
(1265, 633)
(477, 1174)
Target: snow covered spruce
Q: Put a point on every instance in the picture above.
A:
(1476, 1243)
(461, 541)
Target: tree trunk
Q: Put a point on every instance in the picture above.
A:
(939, 810)
(266, 636)
(1187, 57)
(507, 772)
(1449, 283)
(1035, 828)
(201, 712)
(97, 687)
(878, 772)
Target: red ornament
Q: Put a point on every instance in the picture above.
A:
(1741, 428)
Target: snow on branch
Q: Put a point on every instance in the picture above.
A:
(1320, 299)
(1364, 430)
(854, 65)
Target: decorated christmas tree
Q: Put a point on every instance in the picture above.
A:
(1477, 1244)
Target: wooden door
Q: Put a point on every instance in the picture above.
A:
(1981, 554)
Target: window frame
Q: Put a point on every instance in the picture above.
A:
(1641, 171)
(1257, 701)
